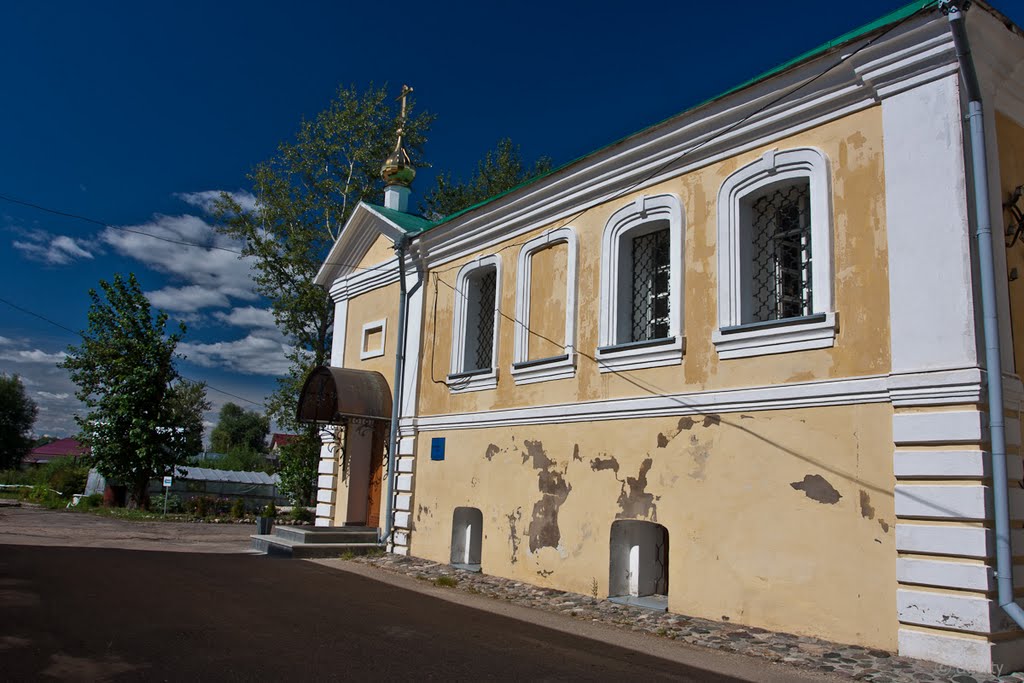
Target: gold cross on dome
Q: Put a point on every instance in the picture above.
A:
(405, 91)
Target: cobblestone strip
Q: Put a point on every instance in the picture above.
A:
(859, 663)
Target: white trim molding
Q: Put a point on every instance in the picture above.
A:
(382, 326)
(736, 336)
(615, 352)
(459, 379)
(525, 371)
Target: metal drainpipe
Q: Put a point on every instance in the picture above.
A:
(993, 360)
(396, 400)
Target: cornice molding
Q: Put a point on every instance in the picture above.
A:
(911, 55)
(930, 388)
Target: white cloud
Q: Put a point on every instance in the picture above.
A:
(220, 272)
(187, 299)
(248, 317)
(253, 355)
(41, 246)
(52, 396)
(32, 356)
(50, 386)
(206, 199)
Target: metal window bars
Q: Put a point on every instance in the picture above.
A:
(650, 290)
(480, 323)
(781, 253)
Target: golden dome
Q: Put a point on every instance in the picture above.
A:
(397, 168)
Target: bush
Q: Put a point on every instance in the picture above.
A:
(238, 508)
(270, 510)
(91, 501)
(22, 477)
(302, 514)
(65, 475)
(156, 503)
(44, 495)
(207, 506)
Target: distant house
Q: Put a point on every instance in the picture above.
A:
(276, 442)
(63, 448)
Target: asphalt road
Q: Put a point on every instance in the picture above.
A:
(100, 613)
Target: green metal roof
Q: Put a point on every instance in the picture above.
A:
(408, 222)
(891, 18)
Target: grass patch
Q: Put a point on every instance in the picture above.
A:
(446, 582)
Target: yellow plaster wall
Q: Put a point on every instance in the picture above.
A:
(377, 304)
(854, 148)
(780, 519)
(1010, 140)
(547, 301)
(380, 251)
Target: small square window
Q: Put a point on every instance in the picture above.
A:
(372, 344)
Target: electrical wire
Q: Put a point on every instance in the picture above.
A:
(660, 169)
(181, 242)
(79, 334)
(685, 153)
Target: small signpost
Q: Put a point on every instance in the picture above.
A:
(167, 487)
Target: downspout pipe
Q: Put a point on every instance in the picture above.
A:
(990, 313)
(401, 247)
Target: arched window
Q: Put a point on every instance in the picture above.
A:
(475, 328)
(556, 250)
(641, 322)
(775, 256)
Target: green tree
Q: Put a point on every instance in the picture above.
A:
(143, 417)
(17, 415)
(305, 193)
(501, 169)
(237, 427)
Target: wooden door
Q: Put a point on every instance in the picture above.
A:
(376, 486)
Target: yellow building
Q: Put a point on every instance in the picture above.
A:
(731, 366)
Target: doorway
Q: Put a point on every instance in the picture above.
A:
(638, 566)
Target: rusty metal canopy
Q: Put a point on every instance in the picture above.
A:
(332, 395)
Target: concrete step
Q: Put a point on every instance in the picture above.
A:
(283, 547)
(327, 534)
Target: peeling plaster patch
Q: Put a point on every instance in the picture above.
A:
(818, 489)
(576, 453)
(554, 489)
(423, 510)
(513, 534)
(609, 463)
(545, 573)
(746, 417)
(686, 423)
(634, 500)
(492, 450)
(866, 510)
(700, 454)
(473, 482)
(884, 524)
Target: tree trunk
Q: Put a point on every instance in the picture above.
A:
(139, 494)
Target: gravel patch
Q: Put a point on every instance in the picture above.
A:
(857, 663)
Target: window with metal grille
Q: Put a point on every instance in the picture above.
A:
(650, 286)
(480, 312)
(780, 233)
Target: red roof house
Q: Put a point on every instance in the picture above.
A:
(62, 448)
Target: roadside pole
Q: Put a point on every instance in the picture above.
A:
(167, 487)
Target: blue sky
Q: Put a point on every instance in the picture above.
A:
(132, 114)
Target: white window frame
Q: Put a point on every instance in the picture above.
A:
(381, 325)
(613, 355)
(458, 382)
(735, 339)
(525, 371)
